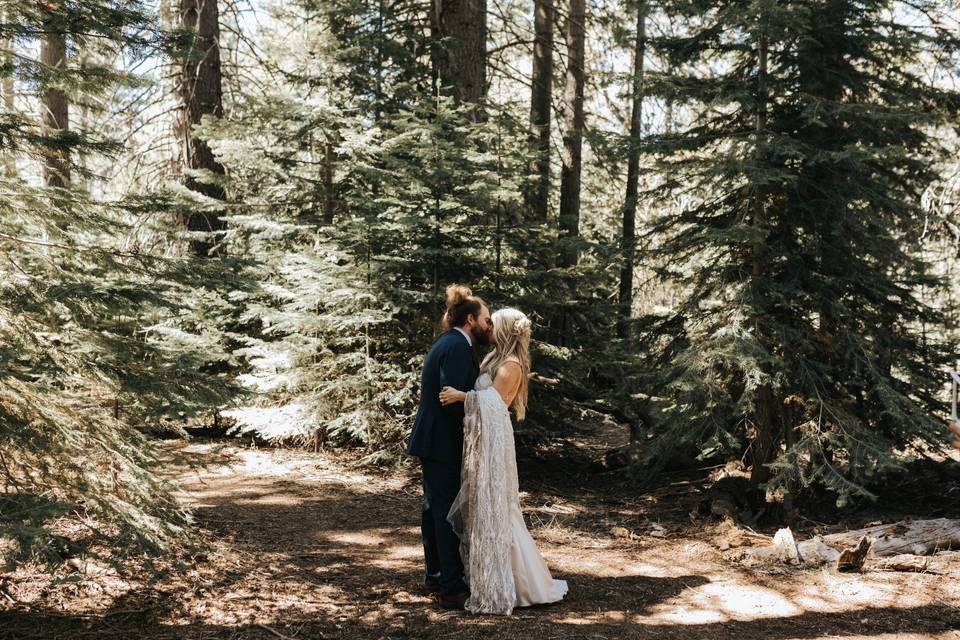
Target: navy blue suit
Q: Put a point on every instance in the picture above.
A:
(437, 439)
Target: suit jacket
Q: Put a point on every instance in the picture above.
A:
(438, 431)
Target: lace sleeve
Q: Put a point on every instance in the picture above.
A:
(480, 512)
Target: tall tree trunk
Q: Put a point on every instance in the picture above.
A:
(461, 48)
(765, 439)
(569, 219)
(628, 245)
(6, 50)
(55, 105)
(201, 93)
(329, 197)
(541, 91)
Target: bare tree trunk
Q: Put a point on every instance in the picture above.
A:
(538, 196)
(201, 93)
(83, 155)
(765, 441)
(461, 55)
(569, 222)
(628, 246)
(6, 49)
(329, 199)
(55, 105)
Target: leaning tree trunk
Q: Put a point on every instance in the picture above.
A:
(569, 219)
(55, 105)
(538, 196)
(461, 48)
(628, 246)
(765, 440)
(200, 93)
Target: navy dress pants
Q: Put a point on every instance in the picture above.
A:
(441, 546)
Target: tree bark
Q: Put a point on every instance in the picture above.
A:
(569, 218)
(200, 92)
(55, 105)
(329, 197)
(628, 244)
(6, 49)
(461, 41)
(765, 441)
(541, 92)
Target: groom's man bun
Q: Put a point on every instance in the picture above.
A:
(461, 303)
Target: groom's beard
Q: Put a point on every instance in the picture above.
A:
(480, 336)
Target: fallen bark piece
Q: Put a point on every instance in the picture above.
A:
(854, 559)
(903, 562)
(918, 537)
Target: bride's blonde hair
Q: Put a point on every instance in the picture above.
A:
(511, 337)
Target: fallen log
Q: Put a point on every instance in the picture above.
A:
(917, 537)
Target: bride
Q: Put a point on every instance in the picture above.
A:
(501, 561)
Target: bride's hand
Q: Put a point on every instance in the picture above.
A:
(449, 395)
(956, 435)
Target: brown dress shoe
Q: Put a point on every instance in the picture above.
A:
(452, 600)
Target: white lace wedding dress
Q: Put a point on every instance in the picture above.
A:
(503, 567)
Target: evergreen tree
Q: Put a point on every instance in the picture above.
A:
(573, 122)
(96, 345)
(199, 93)
(798, 337)
(541, 109)
(628, 237)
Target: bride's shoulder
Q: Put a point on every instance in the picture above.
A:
(510, 368)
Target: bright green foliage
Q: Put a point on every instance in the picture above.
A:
(798, 248)
(423, 195)
(98, 340)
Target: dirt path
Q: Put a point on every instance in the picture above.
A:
(304, 546)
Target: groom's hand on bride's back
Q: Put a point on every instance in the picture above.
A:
(955, 428)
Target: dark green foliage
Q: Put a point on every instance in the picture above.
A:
(797, 250)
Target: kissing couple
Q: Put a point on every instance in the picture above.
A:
(478, 554)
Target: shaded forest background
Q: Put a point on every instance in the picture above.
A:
(733, 223)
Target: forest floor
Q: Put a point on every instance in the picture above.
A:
(307, 545)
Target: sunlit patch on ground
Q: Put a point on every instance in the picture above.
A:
(721, 601)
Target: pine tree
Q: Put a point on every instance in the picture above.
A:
(812, 135)
(459, 30)
(199, 93)
(628, 237)
(93, 353)
(345, 310)
(537, 195)
(56, 106)
(573, 120)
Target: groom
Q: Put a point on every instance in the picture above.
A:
(437, 438)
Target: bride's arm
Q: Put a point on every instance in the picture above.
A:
(450, 395)
(507, 382)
